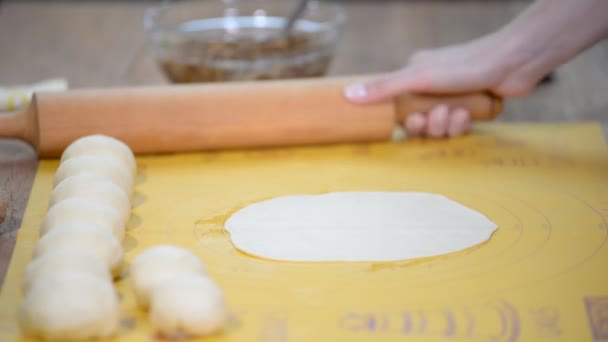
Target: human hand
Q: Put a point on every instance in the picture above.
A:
(509, 62)
(480, 65)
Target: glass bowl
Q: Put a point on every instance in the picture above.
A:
(237, 40)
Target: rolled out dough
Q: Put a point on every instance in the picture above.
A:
(357, 226)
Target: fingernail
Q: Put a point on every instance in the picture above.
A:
(443, 109)
(415, 123)
(355, 91)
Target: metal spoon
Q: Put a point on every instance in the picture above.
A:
(296, 12)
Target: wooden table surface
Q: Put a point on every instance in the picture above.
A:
(101, 44)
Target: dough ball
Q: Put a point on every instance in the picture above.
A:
(88, 237)
(105, 166)
(67, 306)
(93, 187)
(101, 145)
(67, 259)
(77, 209)
(187, 305)
(159, 263)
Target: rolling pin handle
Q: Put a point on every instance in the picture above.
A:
(482, 106)
(21, 124)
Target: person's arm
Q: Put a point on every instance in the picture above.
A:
(509, 62)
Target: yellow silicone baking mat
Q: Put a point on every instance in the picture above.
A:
(543, 275)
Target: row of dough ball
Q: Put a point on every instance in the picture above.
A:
(182, 299)
(69, 292)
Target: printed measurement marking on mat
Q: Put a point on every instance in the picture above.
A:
(499, 321)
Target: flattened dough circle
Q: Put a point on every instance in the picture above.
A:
(357, 226)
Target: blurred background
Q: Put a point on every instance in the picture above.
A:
(95, 43)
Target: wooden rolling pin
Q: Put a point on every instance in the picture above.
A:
(180, 118)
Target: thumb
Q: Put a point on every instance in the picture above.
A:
(426, 78)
